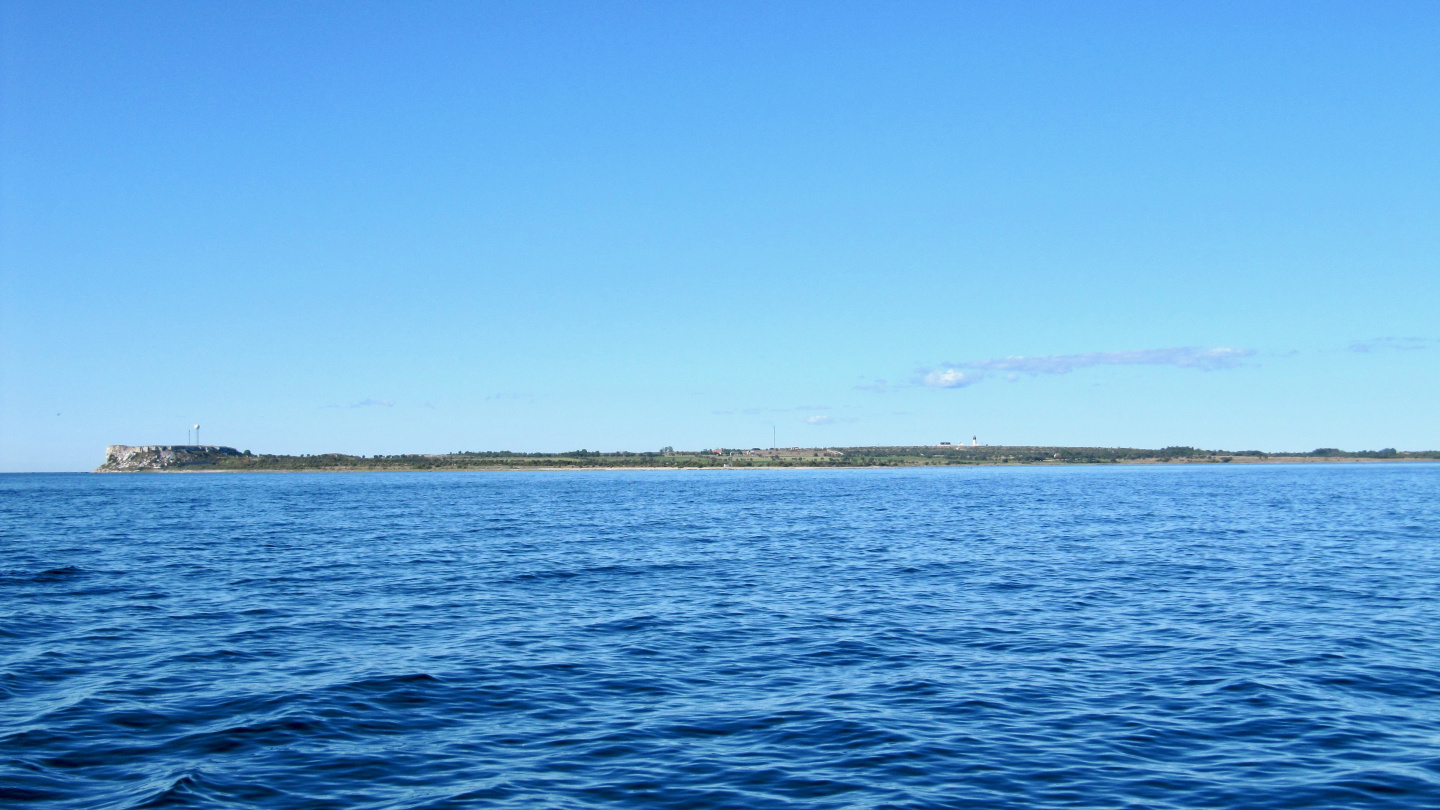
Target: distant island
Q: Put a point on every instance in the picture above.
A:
(213, 458)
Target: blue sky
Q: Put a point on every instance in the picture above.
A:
(374, 228)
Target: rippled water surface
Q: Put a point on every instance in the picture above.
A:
(1197, 636)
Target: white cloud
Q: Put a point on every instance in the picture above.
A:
(819, 420)
(952, 378)
(374, 403)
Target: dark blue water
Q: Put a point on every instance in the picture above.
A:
(1199, 636)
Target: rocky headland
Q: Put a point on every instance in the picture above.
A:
(154, 457)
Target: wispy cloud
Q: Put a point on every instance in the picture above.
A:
(878, 387)
(952, 378)
(1392, 344)
(822, 419)
(959, 375)
(374, 403)
(1185, 357)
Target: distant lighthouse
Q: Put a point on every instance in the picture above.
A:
(974, 441)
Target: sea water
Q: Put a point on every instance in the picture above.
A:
(1214, 635)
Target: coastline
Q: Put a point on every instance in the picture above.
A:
(120, 458)
(777, 467)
